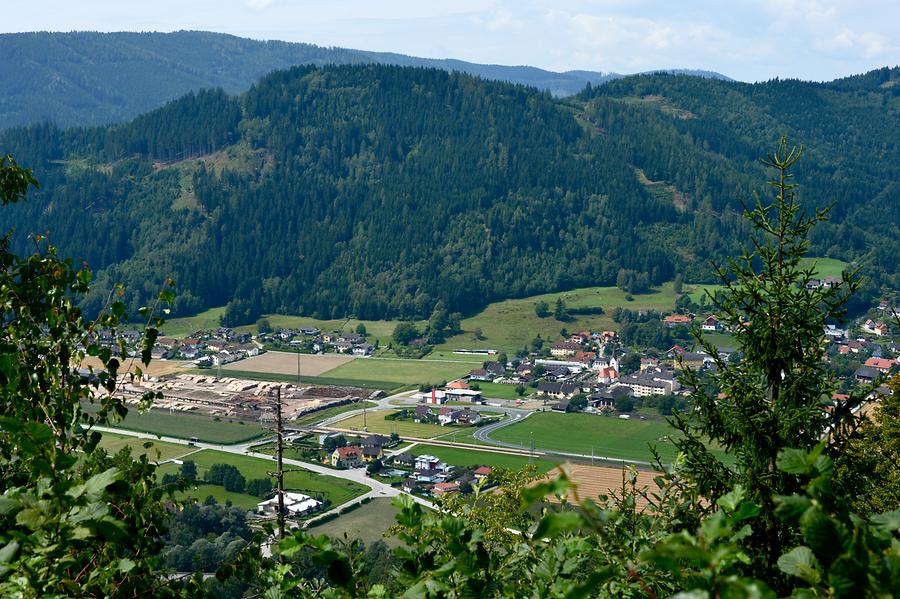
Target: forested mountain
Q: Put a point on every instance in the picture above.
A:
(377, 191)
(91, 78)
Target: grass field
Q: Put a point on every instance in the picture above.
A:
(377, 424)
(404, 371)
(498, 391)
(158, 451)
(185, 426)
(510, 325)
(582, 433)
(475, 360)
(182, 327)
(337, 490)
(380, 330)
(827, 267)
(201, 492)
(456, 456)
(368, 523)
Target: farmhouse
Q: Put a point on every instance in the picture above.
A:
(363, 349)
(558, 390)
(444, 488)
(711, 324)
(480, 374)
(865, 374)
(882, 364)
(674, 320)
(347, 457)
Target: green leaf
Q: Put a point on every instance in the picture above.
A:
(553, 525)
(30, 518)
(888, 521)
(791, 507)
(98, 483)
(730, 501)
(7, 505)
(794, 461)
(801, 562)
(126, 565)
(6, 557)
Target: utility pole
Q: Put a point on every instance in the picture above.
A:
(531, 457)
(279, 452)
(365, 424)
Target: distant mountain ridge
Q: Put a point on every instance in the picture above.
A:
(91, 78)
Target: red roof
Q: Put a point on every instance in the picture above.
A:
(483, 470)
(457, 385)
(879, 363)
(677, 318)
(345, 452)
(445, 488)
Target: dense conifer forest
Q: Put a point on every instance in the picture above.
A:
(379, 190)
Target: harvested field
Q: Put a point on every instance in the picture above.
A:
(156, 367)
(286, 363)
(594, 481)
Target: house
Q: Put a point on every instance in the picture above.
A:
(404, 459)
(649, 363)
(444, 488)
(585, 357)
(448, 416)
(495, 369)
(869, 326)
(882, 364)
(558, 390)
(881, 329)
(354, 338)
(375, 441)
(429, 463)
(601, 399)
(564, 348)
(363, 349)
(457, 384)
(691, 360)
(865, 374)
(295, 504)
(482, 472)
(423, 414)
(480, 374)
(308, 331)
(469, 417)
(370, 453)
(674, 320)
(343, 346)
(347, 457)
(711, 324)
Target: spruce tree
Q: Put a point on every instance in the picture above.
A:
(779, 395)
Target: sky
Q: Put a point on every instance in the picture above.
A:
(749, 40)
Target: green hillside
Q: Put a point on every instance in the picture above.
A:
(374, 192)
